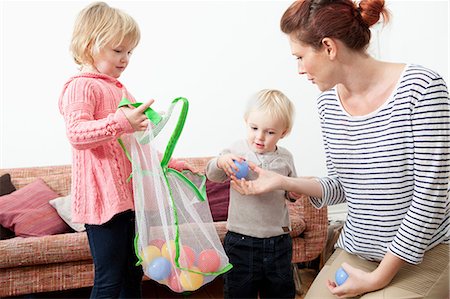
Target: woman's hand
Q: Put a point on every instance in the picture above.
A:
(357, 283)
(360, 282)
(267, 181)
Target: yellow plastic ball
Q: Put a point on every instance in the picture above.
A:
(167, 248)
(191, 281)
(149, 253)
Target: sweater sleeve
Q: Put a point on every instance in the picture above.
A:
(332, 189)
(426, 214)
(85, 126)
(214, 173)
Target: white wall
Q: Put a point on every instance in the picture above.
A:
(215, 53)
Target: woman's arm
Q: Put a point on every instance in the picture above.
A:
(269, 181)
(360, 282)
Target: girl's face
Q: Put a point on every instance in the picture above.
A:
(263, 132)
(113, 60)
(315, 64)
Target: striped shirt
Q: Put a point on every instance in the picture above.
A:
(392, 167)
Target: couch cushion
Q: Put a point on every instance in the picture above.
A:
(6, 187)
(28, 213)
(218, 199)
(63, 206)
(53, 249)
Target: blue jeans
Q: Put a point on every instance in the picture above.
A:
(112, 249)
(260, 266)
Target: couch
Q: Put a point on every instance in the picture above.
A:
(63, 261)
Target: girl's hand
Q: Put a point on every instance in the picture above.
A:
(181, 165)
(294, 196)
(226, 163)
(136, 116)
(267, 181)
(357, 283)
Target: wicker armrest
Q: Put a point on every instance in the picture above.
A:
(32, 251)
(311, 242)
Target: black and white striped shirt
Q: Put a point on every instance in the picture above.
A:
(392, 167)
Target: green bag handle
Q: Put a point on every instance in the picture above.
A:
(155, 118)
(151, 114)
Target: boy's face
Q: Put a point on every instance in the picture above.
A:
(113, 60)
(263, 132)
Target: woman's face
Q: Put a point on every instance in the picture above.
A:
(315, 64)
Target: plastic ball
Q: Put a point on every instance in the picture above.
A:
(191, 281)
(149, 253)
(159, 269)
(187, 257)
(208, 261)
(174, 281)
(341, 276)
(243, 169)
(167, 248)
(157, 242)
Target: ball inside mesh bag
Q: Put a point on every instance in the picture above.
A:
(159, 269)
(191, 281)
(208, 261)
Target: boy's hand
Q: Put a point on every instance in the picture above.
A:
(226, 163)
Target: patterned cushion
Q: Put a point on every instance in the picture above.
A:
(28, 213)
(63, 206)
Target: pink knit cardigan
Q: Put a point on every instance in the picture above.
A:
(100, 167)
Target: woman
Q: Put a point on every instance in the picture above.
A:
(386, 135)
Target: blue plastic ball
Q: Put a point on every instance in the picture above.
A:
(341, 276)
(243, 169)
(159, 268)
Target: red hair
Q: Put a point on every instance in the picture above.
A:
(310, 21)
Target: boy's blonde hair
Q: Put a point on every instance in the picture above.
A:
(98, 25)
(276, 104)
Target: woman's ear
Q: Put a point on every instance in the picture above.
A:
(330, 47)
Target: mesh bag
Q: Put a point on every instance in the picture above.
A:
(176, 243)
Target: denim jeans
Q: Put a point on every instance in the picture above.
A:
(112, 249)
(260, 266)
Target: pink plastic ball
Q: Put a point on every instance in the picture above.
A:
(208, 261)
(174, 281)
(157, 242)
(187, 257)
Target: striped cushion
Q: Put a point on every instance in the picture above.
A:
(28, 213)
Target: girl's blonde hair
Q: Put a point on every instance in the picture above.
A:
(98, 25)
(275, 103)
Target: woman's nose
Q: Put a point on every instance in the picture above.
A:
(301, 69)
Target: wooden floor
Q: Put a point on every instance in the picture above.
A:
(151, 289)
(214, 290)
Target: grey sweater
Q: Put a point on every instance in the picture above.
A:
(265, 215)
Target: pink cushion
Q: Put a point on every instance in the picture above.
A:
(27, 211)
(218, 199)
